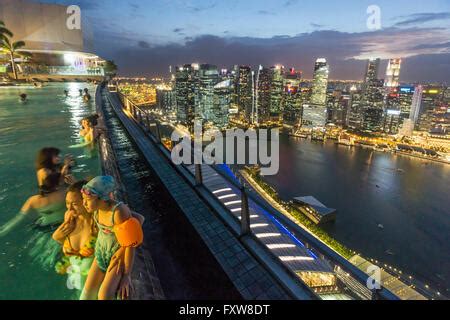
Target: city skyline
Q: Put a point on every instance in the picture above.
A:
(163, 33)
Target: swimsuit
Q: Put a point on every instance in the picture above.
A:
(107, 244)
(84, 252)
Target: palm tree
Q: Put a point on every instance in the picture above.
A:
(11, 49)
(110, 68)
(4, 32)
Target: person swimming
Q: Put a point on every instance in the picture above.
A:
(47, 205)
(106, 280)
(48, 162)
(77, 235)
(81, 92)
(23, 97)
(45, 211)
(66, 93)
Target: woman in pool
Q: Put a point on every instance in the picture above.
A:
(77, 235)
(48, 206)
(46, 211)
(88, 134)
(115, 222)
(48, 162)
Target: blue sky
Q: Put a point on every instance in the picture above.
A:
(157, 33)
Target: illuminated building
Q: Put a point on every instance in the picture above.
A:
(315, 113)
(207, 78)
(431, 100)
(393, 74)
(263, 95)
(244, 93)
(372, 101)
(276, 93)
(221, 104)
(355, 115)
(185, 91)
(338, 106)
(293, 98)
(57, 51)
(165, 99)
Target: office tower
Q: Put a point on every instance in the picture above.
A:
(292, 106)
(372, 100)
(338, 105)
(221, 104)
(244, 93)
(165, 99)
(263, 96)
(315, 113)
(355, 115)
(276, 93)
(371, 76)
(185, 92)
(392, 119)
(208, 77)
(431, 99)
(393, 74)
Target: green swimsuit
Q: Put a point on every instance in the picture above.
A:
(107, 244)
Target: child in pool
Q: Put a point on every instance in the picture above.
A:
(106, 280)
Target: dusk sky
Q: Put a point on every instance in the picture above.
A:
(144, 37)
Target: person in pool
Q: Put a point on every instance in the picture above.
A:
(48, 206)
(23, 97)
(48, 162)
(107, 280)
(88, 134)
(77, 235)
(81, 92)
(66, 93)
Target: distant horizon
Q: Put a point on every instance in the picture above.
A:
(159, 33)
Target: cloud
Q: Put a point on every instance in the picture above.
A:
(143, 44)
(290, 3)
(317, 26)
(420, 18)
(346, 52)
(266, 13)
(177, 30)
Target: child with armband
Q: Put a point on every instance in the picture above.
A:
(120, 232)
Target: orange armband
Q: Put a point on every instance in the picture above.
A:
(129, 233)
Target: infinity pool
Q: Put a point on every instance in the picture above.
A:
(49, 118)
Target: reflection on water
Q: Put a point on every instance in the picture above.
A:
(48, 118)
(408, 196)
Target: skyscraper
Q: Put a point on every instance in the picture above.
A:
(185, 87)
(208, 77)
(263, 96)
(276, 93)
(315, 113)
(372, 100)
(393, 74)
(292, 106)
(244, 93)
(221, 104)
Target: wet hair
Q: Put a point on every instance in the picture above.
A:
(77, 186)
(50, 184)
(23, 95)
(44, 159)
(92, 120)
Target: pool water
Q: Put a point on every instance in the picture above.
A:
(48, 118)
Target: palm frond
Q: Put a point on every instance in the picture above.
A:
(5, 31)
(17, 45)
